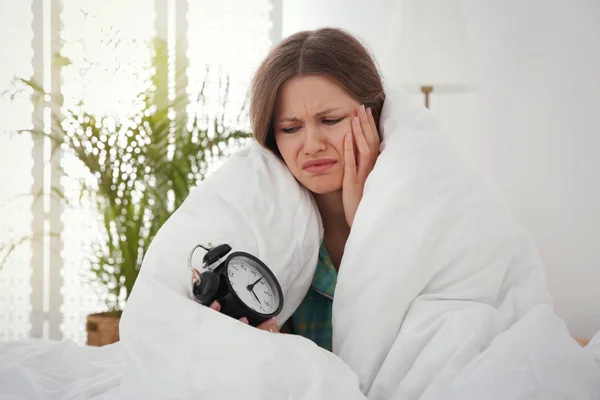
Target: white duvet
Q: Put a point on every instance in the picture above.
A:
(440, 295)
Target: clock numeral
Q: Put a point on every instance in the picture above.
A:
(267, 303)
(253, 272)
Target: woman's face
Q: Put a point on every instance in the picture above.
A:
(312, 116)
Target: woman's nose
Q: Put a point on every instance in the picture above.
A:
(314, 140)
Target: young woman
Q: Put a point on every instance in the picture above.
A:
(315, 102)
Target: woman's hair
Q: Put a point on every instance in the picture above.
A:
(329, 52)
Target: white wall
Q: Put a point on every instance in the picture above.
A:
(368, 20)
(533, 126)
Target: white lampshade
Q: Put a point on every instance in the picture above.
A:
(428, 47)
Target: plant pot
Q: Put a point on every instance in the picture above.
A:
(103, 328)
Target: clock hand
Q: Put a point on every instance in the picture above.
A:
(256, 297)
(251, 287)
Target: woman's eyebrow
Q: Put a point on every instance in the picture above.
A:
(319, 114)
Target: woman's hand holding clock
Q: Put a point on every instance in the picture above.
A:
(269, 325)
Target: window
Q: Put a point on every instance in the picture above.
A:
(46, 287)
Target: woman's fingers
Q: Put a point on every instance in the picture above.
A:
(349, 161)
(366, 126)
(361, 143)
(269, 325)
(374, 132)
(215, 306)
(359, 138)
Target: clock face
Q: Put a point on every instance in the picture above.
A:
(253, 285)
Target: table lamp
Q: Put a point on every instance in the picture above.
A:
(428, 49)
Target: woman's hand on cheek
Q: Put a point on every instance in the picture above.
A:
(356, 169)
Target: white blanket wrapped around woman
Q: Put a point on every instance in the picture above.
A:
(440, 294)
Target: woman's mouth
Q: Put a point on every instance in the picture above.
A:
(318, 166)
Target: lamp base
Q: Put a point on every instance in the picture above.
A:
(426, 90)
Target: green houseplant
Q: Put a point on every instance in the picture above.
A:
(139, 171)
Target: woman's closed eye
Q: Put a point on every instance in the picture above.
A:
(332, 121)
(290, 130)
(325, 121)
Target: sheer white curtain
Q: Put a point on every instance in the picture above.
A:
(46, 287)
(15, 170)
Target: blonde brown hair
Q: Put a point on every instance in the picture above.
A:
(330, 52)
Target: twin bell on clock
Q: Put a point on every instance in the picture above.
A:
(241, 283)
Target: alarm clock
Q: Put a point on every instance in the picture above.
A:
(241, 283)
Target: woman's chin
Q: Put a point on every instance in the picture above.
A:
(323, 186)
